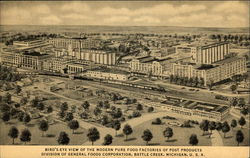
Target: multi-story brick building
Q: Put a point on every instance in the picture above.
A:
(27, 60)
(216, 72)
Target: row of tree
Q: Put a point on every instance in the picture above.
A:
(230, 38)
(209, 126)
(9, 74)
(185, 81)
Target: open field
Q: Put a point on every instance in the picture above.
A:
(180, 137)
(36, 134)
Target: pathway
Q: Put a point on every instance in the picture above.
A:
(216, 139)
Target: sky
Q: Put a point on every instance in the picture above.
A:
(224, 14)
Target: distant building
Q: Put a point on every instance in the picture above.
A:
(32, 45)
(108, 74)
(163, 52)
(28, 43)
(75, 43)
(96, 56)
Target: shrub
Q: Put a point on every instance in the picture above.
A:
(221, 97)
(157, 121)
(150, 109)
(186, 124)
(122, 119)
(130, 116)
(169, 117)
(136, 114)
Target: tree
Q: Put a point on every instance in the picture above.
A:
(193, 140)
(74, 125)
(100, 104)
(233, 123)
(40, 106)
(239, 137)
(157, 121)
(117, 113)
(63, 138)
(25, 136)
(244, 111)
(241, 102)
(151, 109)
(49, 109)
(18, 89)
(211, 127)
(147, 136)
(168, 132)
(234, 101)
(127, 130)
(64, 106)
(43, 126)
(106, 104)
(225, 128)
(13, 133)
(233, 87)
(7, 98)
(61, 114)
(20, 116)
(242, 121)
(97, 111)
(117, 126)
(6, 117)
(69, 116)
(139, 107)
(210, 84)
(34, 102)
(23, 101)
(26, 118)
(108, 139)
(86, 105)
(93, 135)
(204, 126)
(104, 120)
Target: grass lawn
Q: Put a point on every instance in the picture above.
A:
(36, 139)
(230, 139)
(180, 137)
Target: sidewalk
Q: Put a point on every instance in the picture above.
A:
(216, 139)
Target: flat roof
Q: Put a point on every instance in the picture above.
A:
(227, 60)
(202, 106)
(108, 70)
(205, 67)
(33, 47)
(214, 44)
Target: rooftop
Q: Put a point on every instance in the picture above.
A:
(227, 60)
(114, 71)
(205, 67)
(195, 105)
(214, 44)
